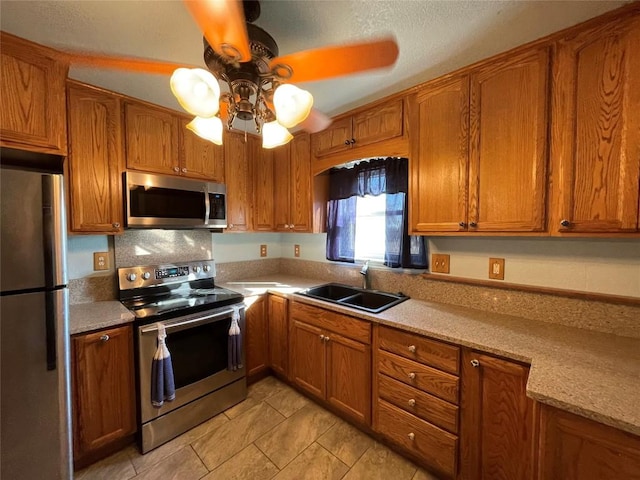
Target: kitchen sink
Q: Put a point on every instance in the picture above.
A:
(372, 301)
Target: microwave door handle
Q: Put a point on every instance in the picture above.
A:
(170, 325)
(207, 206)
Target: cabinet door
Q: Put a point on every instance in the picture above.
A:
(308, 358)
(257, 333)
(596, 130)
(498, 427)
(282, 186)
(300, 184)
(32, 88)
(262, 166)
(333, 139)
(508, 146)
(151, 139)
(382, 122)
(349, 377)
(236, 167)
(95, 161)
(439, 122)
(575, 448)
(103, 389)
(279, 334)
(200, 158)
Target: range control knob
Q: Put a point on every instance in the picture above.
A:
(206, 268)
(196, 269)
(146, 275)
(131, 277)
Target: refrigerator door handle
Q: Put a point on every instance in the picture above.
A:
(51, 313)
(54, 230)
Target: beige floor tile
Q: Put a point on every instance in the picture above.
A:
(249, 464)
(182, 465)
(233, 436)
(116, 467)
(287, 401)
(295, 434)
(242, 407)
(346, 442)
(424, 475)
(380, 463)
(149, 459)
(265, 388)
(315, 463)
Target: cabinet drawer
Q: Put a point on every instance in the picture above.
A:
(335, 322)
(440, 413)
(435, 446)
(440, 384)
(421, 349)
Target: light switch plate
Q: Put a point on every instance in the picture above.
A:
(101, 260)
(440, 263)
(496, 268)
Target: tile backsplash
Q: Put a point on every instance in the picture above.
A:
(156, 247)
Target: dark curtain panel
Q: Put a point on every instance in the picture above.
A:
(373, 177)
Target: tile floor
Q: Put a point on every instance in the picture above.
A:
(276, 433)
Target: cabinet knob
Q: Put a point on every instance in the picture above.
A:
(231, 225)
(322, 337)
(411, 436)
(115, 224)
(353, 141)
(462, 224)
(347, 142)
(176, 169)
(326, 339)
(565, 223)
(412, 402)
(412, 375)
(473, 224)
(475, 363)
(104, 338)
(184, 170)
(412, 348)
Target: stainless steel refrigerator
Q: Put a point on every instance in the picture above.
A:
(35, 435)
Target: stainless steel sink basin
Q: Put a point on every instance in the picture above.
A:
(372, 301)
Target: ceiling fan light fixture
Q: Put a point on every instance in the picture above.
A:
(274, 135)
(207, 128)
(292, 104)
(197, 91)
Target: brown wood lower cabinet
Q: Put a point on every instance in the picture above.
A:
(257, 335)
(103, 392)
(334, 367)
(575, 448)
(279, 335)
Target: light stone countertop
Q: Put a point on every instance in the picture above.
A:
(592, 374)
(84, 317)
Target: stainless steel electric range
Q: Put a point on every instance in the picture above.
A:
(197, 316)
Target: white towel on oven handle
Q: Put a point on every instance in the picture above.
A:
(234, 356)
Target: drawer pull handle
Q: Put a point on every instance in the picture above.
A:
(104, 338)
(412, 402)
(412, 348)
(475, 363)
(411, 436)
(412, 375)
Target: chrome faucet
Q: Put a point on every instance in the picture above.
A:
(366, 284)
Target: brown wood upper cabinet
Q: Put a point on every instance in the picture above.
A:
(200, 158)
(32, 88)
(94, 163)
(292, 186)
(373, 125)
(479, 148)
(238, 181)
(498, 427)
(596, 129)
(103, 392)
(262, 174)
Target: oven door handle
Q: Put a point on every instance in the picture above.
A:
(170, 325)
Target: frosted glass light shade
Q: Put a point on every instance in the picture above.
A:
(274, 135)
(292, 104)
(197, 91)
(207, 128)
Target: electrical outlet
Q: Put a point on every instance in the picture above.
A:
(101, 260)
(296, 250)
(263, 250)
(496, 268)
(440, 263)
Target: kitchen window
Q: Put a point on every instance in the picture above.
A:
(367, 215)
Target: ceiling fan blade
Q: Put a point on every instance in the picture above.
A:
(315, 122)
(336, 61)
(223, 25)
(117, 62)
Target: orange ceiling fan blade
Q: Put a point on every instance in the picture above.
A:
(223, 25)
(315, 122)
(118, 62)
(336, 61)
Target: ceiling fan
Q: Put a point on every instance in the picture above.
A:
(256, 81)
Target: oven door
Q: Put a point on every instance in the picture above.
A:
(198, 345)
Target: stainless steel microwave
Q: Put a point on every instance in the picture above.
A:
(162, 201)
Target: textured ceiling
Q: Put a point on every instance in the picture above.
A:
(435, 37)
